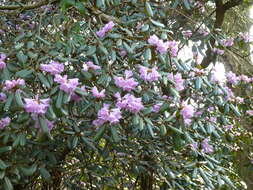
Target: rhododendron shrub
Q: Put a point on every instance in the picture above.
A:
(102, 100)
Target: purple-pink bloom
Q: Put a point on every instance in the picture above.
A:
(203, 32)
(194, 146)
(232, 78)
(177, 78)
(213, 119)
(149, 74)
(239, 100)
(229, 92)
(3, 97)
(36, 105)
(53, 67)
(77, 98)
(11, 84)
(218, 51)
(156, 108)
(2, 63)
(246, 37)
(129, 102)
(66, 85)
(245, 78)
(49, 124)
(127, 83)
(161, 46)
(101, 33)
(98, 94)
(249, 112)
(228, 127)
(187, 112)
(187, 33)
(206, 147)
(4, 122)
(105, 114)
(228, 42)
(90, 65)
(173, 48)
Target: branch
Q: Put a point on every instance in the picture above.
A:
(28, 6)
(232, 3)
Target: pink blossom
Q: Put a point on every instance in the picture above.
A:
(177, 78)
(198, 113)
(229, 92)
(213, 119)
(187, 33)
(203, 32)
(77, 98)
(101, 33)
(194, 146)
(232, 78)
(2, 63)
(4, 122)
(11, 84)
(36, 105)
(53, 67)
(173, 48)
(149, 75)
(156, 108)
(228, 127)
(49, 124)
(3, 97)
(127, 83)
(245, 78)
(206, 147)
(161, 47)
(187, 112)
(90, 65)
(218, 51)
(249, 112)
(66, 85)
(228, 42)
(239, 100)
(246, 37)
(98, 94)
(123, 53)
(129, 102)
(105, 114)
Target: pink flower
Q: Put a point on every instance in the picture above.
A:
(90, 65)
(206, 147)
(128, 83)
(228, 127)
(11, 84)
(105, 114)
(53, 67)
(49, 124)
(77, 98)
(213, 119)
(229, 92)
(149, 75)
(3, 97)
(246, 37)
(194, 146)
(203, 32)
(123, 53)
(161, 47)
(187, 33)
(2, 63)
(36, 106)
(239, 100)
(245, 78)
(173, 48)
(187, 113)
(177, 78)
(218, 51)
(249, 112)
(156, 108)
(232, 78)
(4, 122)
(101, 33)
(129, 102)
(67, 85)
(228, 42)
(98, 94)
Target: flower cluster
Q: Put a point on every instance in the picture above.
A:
(129, 102)
(2, 63)
(53, 67)
(179, 81)
(187, 112)
(11, 84)
(49, 124)
(105, 114)
(227, 42)
(3, 97)
(90, 65)
(36, 105)
(67, 85)
(101, 33)
(187, 33)
(4, 122)
(207, 148)
(128, 83)
(149, 74)
(218, 51)
(98, 94)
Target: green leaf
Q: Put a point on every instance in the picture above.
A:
(148, 54)
(91, 50)
(80, 7)
(59, 99)
(44, 80)
(88, 143)
(149, 9)
(29, 171)
(128, 48)
(24, 73)
(22, 58)
(3, 166)
(18, 98)
(74, 142)
(198, 83)
(8, 102)
(186, 4)
(114, 133)
(43, 124)
(100, 133)
(156, 23)
(45, 174)
(7, 183)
